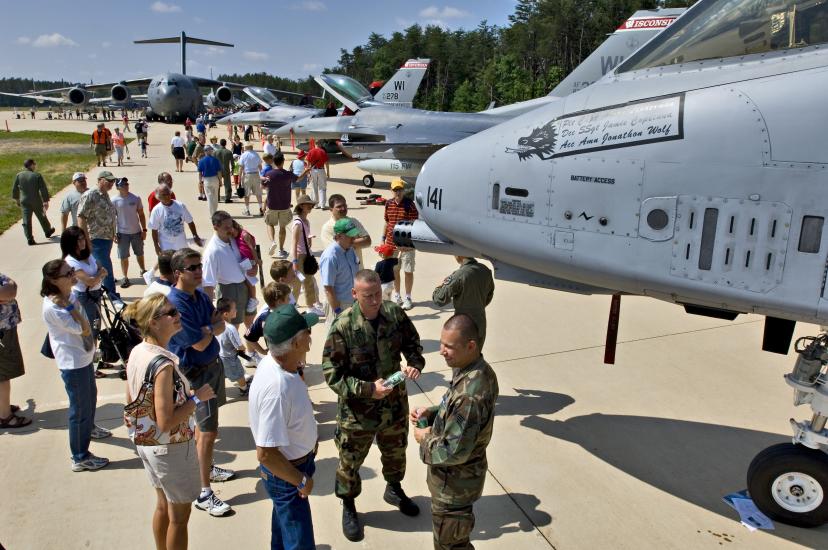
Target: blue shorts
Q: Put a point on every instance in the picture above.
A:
(125, 240)
(300, 184)
(233, 369)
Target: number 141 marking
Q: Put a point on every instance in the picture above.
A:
(435, 198)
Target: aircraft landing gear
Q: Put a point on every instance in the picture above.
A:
(368, 180)
(789, 481)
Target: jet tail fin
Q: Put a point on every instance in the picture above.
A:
(636, 31)
(402, 87)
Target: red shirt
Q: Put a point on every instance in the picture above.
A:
(395, 213)
(317, 157)
(152, 200)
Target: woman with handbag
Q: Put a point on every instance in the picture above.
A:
(73, 347)
(304, 264)
(160, 419)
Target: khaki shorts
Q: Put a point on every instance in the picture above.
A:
(407, 260)
(172, 468)
(236, 292)
(281, 218)
(252, 183)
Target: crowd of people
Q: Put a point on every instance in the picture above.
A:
(200, 316)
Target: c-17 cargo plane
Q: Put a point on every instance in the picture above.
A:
(398, 91)
(397, 142)
(169, 96)
(694, 173)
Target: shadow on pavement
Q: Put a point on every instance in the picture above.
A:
(696, 462)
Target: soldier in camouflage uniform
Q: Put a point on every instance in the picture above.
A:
(454, 446)
(470, 288)
(362, 350)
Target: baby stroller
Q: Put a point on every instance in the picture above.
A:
(116, 338)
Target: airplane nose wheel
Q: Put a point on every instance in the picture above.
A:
(788, 483)
(368, 180)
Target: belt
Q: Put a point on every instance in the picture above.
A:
(251, 172)
(302, 460)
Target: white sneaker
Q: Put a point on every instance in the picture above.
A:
(246, 212)
(91, 464)
(398, 299)
(212, 504)
(283, 254)
(100, 433)
(406, 305)
(251, 305)
(217, 474)
(316, 310)
(273, 248)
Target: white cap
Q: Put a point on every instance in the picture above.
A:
(78, 176)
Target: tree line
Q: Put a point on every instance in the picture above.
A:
(470, 69)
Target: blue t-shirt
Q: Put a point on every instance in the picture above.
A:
(385, 269)
(196, 312)
(267, 168)
(256, 330)
(201, 128)
(209, 166)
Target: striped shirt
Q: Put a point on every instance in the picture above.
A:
(395, 213)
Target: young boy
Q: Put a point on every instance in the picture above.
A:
(275, 295)
(143, 143)
(230, 345)
(385, 269)
(281, 271)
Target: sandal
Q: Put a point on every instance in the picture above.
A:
(100, 374)
(14, 421)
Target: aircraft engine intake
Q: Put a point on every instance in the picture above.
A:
(78, 96)
(223, 96)
(120, 93)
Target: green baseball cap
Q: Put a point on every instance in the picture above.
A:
(285, 322)
(346, 226)
(106, 174)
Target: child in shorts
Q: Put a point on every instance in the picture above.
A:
(230, 345)
(247, 248)
(385, 269)
(143, 144)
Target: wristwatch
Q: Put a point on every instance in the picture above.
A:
(304, 482)
(70, 307)
(195, 400)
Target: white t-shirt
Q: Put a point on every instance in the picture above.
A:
(169, 221)
(177, 141)
(229, 341)
(157, 288)
(270, 149)
(88, 266)
(66, 336)
(221, 263)
(281, 414)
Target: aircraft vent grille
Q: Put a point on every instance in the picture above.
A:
(731, 242)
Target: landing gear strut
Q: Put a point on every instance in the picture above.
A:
(789, 481)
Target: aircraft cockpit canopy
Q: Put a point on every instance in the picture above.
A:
(347, 87)
(262, 95)
(715, 29)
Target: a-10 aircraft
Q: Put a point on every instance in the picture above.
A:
(397, 142)
(398, 91)
(694, 173)
(169, 96)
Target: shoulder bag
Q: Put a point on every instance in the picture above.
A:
(310, 266)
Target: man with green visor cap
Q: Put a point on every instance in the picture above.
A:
(337, 267)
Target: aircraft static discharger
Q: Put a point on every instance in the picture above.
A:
(694, 173)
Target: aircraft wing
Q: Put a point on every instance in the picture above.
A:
(381, 150)
(40, 98)
(211, 83)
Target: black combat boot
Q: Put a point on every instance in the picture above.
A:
(350, 522)
(395, 496)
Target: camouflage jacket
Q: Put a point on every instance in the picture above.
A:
(470, 288)
(355, 356)
(455, 449)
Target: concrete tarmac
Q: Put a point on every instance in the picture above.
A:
(637, 455)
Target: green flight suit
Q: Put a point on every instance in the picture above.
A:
(355, 356)
(31, 191)
(225, 157)
(455, 452)
(471, 289)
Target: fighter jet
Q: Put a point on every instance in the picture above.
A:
(398, 91)
(396, 142)
(169, 96)
(694, 173)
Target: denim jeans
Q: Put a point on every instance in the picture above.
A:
(92, 309)
(102, 252)
(291, 527)
(83, 396)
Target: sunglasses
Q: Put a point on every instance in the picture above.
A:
(192, 268)
(67, 274)
(172, 312)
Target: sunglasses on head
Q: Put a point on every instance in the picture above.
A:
(192, 268)
(172, 312)
(67, 274)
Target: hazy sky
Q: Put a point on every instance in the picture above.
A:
(79, 40)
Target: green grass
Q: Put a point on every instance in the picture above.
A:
(57, 166)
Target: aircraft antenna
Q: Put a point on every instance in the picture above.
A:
(183, 39)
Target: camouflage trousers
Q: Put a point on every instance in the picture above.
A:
(353, 440)
(452, 525)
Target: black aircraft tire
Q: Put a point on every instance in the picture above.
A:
(368, 180)
(786, 469)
